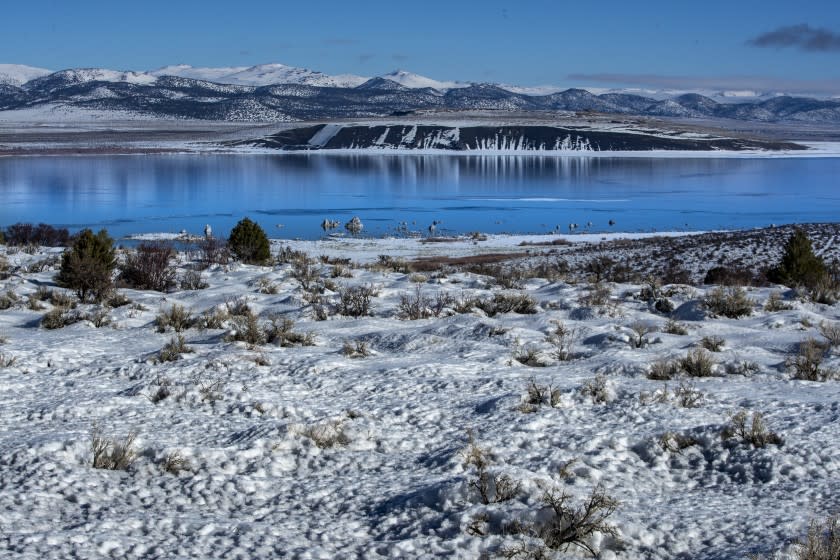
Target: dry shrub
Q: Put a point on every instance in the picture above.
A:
(753, 432)
(266, 286)
(597, 296)
(562, 338)
(494, 488)
(663, 370)
(574, 525)
(7, 361)
(280, 331)
(529, 356)
(414, 307)
(674, 327)
(596, 389)
(212, 250)
(697, 363)
(173, 349)
(177, 318)
(326, 434)
(775, 302)
(501, 302)
(354, 301)
(60, 317)
(539, 395)
(640, 331)
(246, 328)
(729, 302)
(675, 442)
(213, 318)
(712, 343)
(359, 349)
(192, 280)
(822, 541)
(149, 267)
(831, 332)
(305, 272)
(175, 463)
(807, 365)
(112, 454)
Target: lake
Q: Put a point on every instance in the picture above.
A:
(290, 194)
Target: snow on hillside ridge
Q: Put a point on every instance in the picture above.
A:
(19, 74)
(261, 75)
(416, 81)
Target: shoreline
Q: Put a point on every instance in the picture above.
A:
(814, 150)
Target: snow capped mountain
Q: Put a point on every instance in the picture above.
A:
(261, 75)
(18, 74)
(75, 76)
(416, 81)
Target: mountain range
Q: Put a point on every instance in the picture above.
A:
(276, 92)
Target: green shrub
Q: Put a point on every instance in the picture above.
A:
(799, 265)
(88, 265)
(249, 243)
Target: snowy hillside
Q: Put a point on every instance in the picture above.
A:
(18, 74)
(261, 75)
(338, 405)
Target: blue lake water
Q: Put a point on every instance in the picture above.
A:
(291, 194)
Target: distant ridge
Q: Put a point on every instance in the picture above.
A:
(277, 92)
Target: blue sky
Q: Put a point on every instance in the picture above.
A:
(527, 43)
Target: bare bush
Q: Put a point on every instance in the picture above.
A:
(597, 296)
(494, 488)
(415, 306)
(822, 541)
(213, 318)
(305, 272)
(775, 302)
(280, 330)
(663, 370)
(562, 338)
(574, 525)
(729, 302)
(712, 343)
(175, 463)
(831, 332)
(173, 349)
(246, 328)
(697, 363)
(501, 302)
(687, 396)
(178, 318)
(640, 331)
(192, 280)
(149, 267)
(596, 389)
(674, 327)
(808, 363)
(359, 349)
(60, 317)
(326, 434)
(112, 454)
(354, 301)
(537, 396)
(752, 432)
(212, 250)
(7, 361)
(529, 356)
(266, 286)
(675, 442)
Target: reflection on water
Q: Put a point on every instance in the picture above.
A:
(129, 194)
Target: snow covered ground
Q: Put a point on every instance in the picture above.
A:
(305, 452)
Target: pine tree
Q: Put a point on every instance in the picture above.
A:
(88, 265)
(799, 265)
(249, 243)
